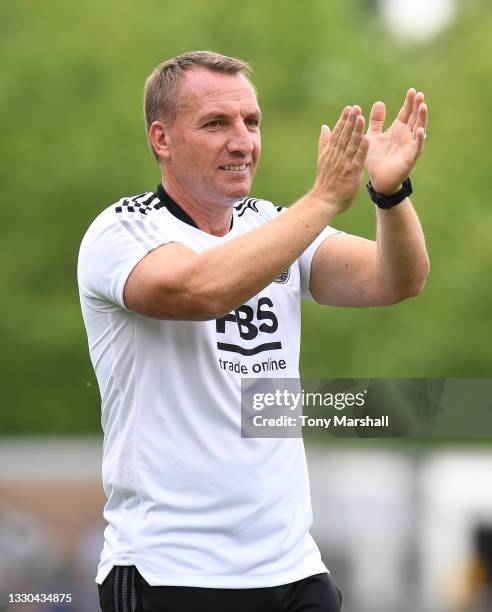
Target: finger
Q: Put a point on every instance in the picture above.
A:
(324, 137)
(422, 116)
(406, 109)
(420, 140)
(340, 125)
(376, 118)
(356, 137)
(419, 98)
(359, 158)
(348, 128)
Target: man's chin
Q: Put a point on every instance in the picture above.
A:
(238, 191)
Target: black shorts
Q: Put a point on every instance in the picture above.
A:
(124, 590)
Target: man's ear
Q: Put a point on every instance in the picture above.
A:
(159, 139)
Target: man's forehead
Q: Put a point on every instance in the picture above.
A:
(203, 88)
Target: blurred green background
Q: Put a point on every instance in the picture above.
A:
(72, 142)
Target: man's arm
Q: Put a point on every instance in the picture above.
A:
(352, 271)
(173, 282)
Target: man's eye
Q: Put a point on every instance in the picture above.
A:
(214, 124)
(253, 122)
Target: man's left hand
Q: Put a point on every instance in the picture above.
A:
(393, 153)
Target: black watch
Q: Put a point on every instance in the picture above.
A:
(388, 201)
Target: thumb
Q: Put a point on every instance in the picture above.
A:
(324, 137)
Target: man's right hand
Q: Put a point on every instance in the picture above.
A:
(341, 158)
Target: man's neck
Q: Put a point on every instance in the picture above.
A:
(210, 218)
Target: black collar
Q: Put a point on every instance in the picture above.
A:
(175, 209)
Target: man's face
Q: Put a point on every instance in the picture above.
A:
(214, 145)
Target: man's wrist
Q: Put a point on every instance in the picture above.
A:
(329, 202)
(385, 201)
(385, 190)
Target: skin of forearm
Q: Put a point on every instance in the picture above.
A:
(402, 262)
(252, 261)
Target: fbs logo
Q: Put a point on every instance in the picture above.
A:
(283, 278)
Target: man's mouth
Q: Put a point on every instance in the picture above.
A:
(235, 167)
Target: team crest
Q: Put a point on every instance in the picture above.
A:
(283, 278)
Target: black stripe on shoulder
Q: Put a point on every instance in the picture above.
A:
(142, 204)
(240, 204)
(245, 202)
(144, 198)
(249, 204)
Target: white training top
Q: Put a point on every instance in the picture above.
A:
(190, 502)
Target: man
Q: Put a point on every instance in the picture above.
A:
(185, 291)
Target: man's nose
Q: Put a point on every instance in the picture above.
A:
(240, 140)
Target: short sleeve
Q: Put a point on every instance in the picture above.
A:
(306, 259)
(109, 251)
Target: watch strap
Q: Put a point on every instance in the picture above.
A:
(388, 201)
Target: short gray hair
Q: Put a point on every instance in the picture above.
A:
(161, 94)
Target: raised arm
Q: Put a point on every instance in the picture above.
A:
(173, 282)
(352, 271)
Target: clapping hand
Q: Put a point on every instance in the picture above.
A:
(393, 153)
(341, 157)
